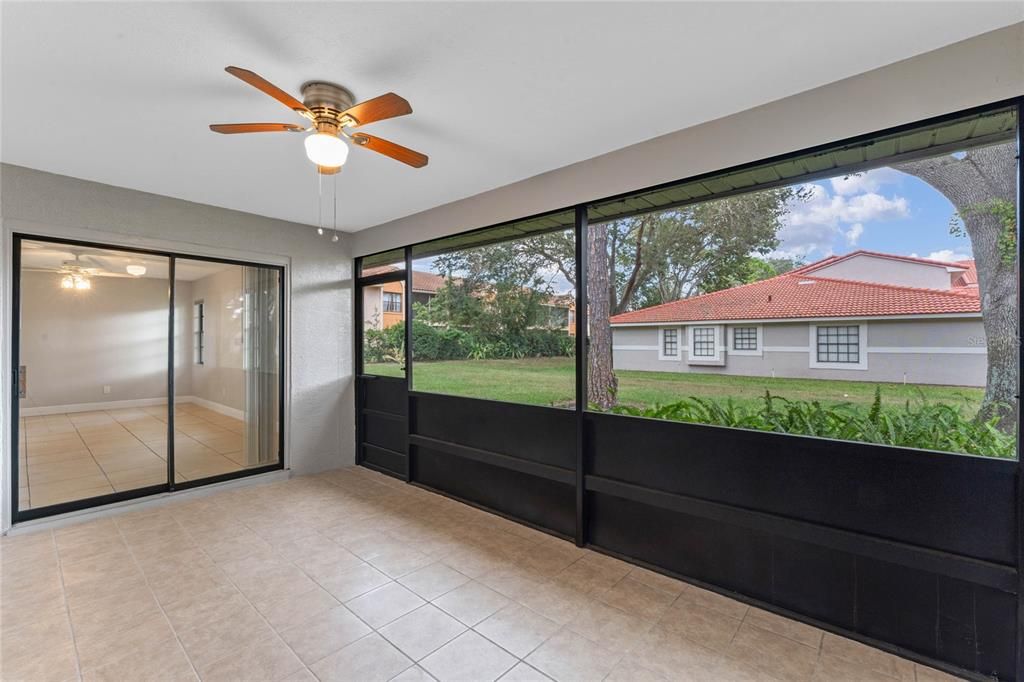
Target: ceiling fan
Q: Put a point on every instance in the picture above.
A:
(334, 114)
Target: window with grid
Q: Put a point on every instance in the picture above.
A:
(744, 338)
(392, 302)
(198, 332)
(670, 342)
(704, 342)
(839, 344)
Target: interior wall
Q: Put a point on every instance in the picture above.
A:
(75, 343)
(319, 412)
(220, 379)
(980, 70)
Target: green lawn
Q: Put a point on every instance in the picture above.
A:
(550, 381)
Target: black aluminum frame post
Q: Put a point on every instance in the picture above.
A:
(407, 359)
(171, 272)
(582, 343)
(1020, 362)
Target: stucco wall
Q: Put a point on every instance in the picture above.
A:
(888, 271)
(319, 421)
(944, 352)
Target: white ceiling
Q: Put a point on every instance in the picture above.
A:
(40, 256)
(122, 93)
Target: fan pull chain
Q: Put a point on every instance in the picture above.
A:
(319, 202)
(334, 237)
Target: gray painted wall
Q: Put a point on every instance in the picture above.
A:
(936, 351)
(319, 382)
(115, 334)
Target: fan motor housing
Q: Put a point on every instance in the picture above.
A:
(327, 100)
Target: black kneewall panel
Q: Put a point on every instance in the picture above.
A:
(539, 434)
(384, 394)
(384, 431)
(962, 505)
(538, 501)
(725, 555)
(944, 618)
(385, 459)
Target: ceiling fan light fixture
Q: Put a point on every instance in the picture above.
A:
(136, 270)
(326, 150)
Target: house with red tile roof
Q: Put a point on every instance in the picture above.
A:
(384, 304)
(864, 316)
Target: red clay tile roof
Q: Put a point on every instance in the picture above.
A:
(969, 277)
(796, 295)
(422, 282)
(426, 282)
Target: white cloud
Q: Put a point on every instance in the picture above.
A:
(869, 181)
(948, 255)
(854, 233)
(813, 226)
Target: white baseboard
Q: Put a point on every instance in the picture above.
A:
(125, 404)
(90, 407)
(216, 407)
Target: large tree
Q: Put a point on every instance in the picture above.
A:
(980, 183)
(499, 290)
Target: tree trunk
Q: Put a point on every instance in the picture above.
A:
(972, 183)
(602, 385)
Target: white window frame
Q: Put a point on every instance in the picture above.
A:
(758, 340)
(679, 344)
(717, 358)
(862, 343)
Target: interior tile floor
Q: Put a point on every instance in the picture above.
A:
(350, 575)
(65, 457)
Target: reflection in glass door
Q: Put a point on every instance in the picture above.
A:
(227, 369)
(92, 398)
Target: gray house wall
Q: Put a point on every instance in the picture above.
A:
(946, 351)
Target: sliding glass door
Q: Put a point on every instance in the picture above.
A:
(227, 368)
(107, 341)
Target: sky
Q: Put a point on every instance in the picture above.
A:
(878, 210)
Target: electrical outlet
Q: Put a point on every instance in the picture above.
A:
(106, 390)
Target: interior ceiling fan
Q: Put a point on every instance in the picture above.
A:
(334, 114)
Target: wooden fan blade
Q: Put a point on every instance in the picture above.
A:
(232, 128)
(395, 151)
(377, 109)
(265, 86)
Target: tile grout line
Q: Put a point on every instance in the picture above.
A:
(160, 606)
(67, 607)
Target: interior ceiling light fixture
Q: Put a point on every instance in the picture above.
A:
(333, 114)
(136, 270)
(75, 276)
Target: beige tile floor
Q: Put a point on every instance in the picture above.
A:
(65, 457)
(353, 576)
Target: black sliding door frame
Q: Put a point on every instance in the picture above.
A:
(992, 560)
(19, 516)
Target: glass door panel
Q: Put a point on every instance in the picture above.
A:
(93, 325)
(227, 368)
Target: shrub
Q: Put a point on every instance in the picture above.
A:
(925, 425)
